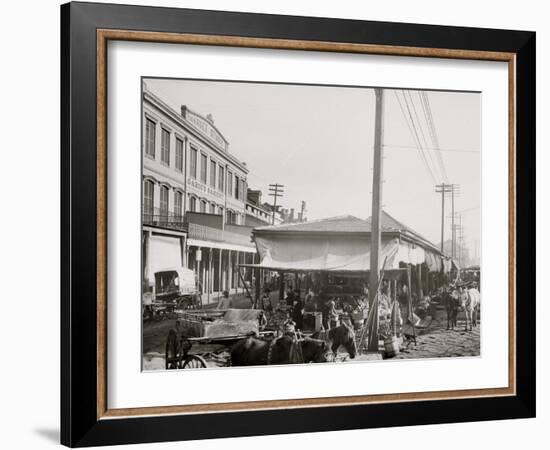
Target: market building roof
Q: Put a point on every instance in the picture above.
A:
(348, 224)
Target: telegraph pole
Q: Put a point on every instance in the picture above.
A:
(455, 190)
(452, 220)
(275, 190)
(460, 239)
(443, 189)
(375, 219)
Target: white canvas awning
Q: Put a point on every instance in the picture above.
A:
(337, 254)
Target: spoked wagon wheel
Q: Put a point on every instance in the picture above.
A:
(194, 362)
(171, 351)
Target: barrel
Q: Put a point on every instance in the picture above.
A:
(391, 346)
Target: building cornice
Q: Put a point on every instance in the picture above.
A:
(190, 128)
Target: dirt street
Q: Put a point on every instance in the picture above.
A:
(436, 341)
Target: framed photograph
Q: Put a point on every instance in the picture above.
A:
(277, 224)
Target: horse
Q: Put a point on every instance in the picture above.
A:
(470, 299)
(451, 300)
(342, 335)
(253, 351)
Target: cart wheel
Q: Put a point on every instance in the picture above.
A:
(171, 351)
(181, 304)
(194, 362)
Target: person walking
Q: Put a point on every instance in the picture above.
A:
(332, 314)
(298, 313)
(290, 297)
(267, 306)
(225, 302)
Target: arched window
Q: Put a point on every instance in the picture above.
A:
(193, 204)
(203, 206)
(178, 204)
(164, 201)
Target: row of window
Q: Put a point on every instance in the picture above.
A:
(150, 145)
(148, 200)
(257, 211)
(195, 205)
(236, 186)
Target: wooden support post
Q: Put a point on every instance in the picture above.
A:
(183, 259)
(220, 280)
(229, 271)
(419, 290)
(410, 312)
(248, 294)
(395, 306)
(147, 256)
(210, 277)
(198, 269)
(236, 273)
(375, 218)
(258, 287)
(281, 285)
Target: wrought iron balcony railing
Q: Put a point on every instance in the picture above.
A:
(164, 219)
(169, 220)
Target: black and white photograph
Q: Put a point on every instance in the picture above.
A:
(295, 224)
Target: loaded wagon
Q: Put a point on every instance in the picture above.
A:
(203, 338)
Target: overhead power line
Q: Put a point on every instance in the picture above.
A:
(413, 132)
(420, 126)
(456, 150)
(425, 102)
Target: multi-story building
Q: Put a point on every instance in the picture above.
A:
(257, 214)
(187, 168)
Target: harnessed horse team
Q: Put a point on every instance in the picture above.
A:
(293, 349)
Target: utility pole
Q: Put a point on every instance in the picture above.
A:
(460, 239)
(455, 191)
(452, 220)
(375, 219)
(303, 211)
(443, 189)
(275, 190)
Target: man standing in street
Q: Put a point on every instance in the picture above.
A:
(225, 302)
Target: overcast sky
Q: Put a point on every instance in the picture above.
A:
(318, 142)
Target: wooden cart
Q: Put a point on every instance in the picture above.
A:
(202, 336)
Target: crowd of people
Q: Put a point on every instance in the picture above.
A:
(297, 305)
(333, 307)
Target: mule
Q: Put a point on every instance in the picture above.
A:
(470, 299)
(253, 351)
(451, 300)
(342, 335)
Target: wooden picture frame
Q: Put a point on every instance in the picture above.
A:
(85, 30)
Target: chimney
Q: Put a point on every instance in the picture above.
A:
(184, 110)
(210, 118)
